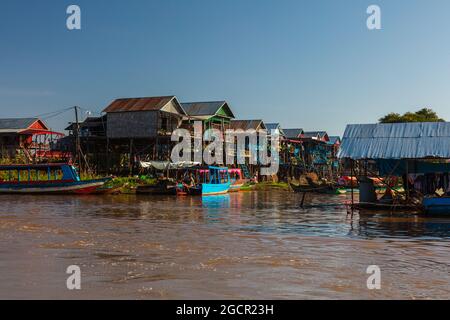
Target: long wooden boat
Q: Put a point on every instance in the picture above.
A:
(237, 182)
(324, 189)
(163, 187)
(436, 205)
(386, 207)
(58, 178)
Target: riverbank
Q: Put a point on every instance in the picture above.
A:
(128, 185)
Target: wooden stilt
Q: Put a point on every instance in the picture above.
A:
(352, 188)
(303, 200)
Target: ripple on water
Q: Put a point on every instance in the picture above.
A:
(244, 245)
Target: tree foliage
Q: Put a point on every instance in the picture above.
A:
(423, 115)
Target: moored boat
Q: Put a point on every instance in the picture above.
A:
(436, 205)
(237, 180)
(163, 187)
(54, 178)
(211, 181)
(325, 188)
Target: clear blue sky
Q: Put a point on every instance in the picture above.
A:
(310, 64)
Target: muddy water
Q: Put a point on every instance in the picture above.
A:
(258, 245)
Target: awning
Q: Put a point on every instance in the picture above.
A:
(40, 132)
(166, 165)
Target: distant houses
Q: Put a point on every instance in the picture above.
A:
(275, 128)
(30, 138)
(213, 115)
(131, 130)
(143, 118)
(294, 134)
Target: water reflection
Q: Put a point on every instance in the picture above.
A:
(217, 247)
(267, 212)
(216, 202)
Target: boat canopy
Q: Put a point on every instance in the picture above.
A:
(68, 171)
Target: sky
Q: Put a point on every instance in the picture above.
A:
(305, 64)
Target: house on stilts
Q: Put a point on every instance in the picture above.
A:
(415, 155)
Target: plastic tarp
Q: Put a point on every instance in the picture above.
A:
(396, 141)
(167, 165)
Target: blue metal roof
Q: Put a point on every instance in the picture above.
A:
(293, 133)
(19, 123)
(334, 139)
(396, 141)
(274, 126)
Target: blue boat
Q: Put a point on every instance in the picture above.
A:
(55, 178)
(436, 205)
(212, 181)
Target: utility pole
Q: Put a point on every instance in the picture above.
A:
(77, 138)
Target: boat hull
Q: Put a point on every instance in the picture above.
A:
(161, 189)
(215, 189)
(437, 206)
(325, 189)
(236, 187)
(74, 187)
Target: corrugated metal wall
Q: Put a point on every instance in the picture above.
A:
(143, 124)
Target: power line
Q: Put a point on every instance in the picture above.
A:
(53, 112)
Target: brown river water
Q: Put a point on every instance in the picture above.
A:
(250, 245)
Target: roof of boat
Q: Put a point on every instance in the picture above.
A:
(207, 168)
(32, 166)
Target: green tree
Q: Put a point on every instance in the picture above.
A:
(423, 115)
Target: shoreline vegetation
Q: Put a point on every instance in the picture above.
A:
(128, 185)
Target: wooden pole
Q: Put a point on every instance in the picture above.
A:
(407, 180)
(351, 184)
(77, 138)
(107, 156)
(131, 157)
(303, 200)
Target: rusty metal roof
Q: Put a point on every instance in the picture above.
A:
(140, 104)
(247, 125)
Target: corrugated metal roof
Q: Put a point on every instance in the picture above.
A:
(313, 134)
(275, 126)
(16, 124)
(89, 122)
(139, 104)
(247, 125)
(209, 108)
(396, 141)
(293, 133)
(334, 140)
